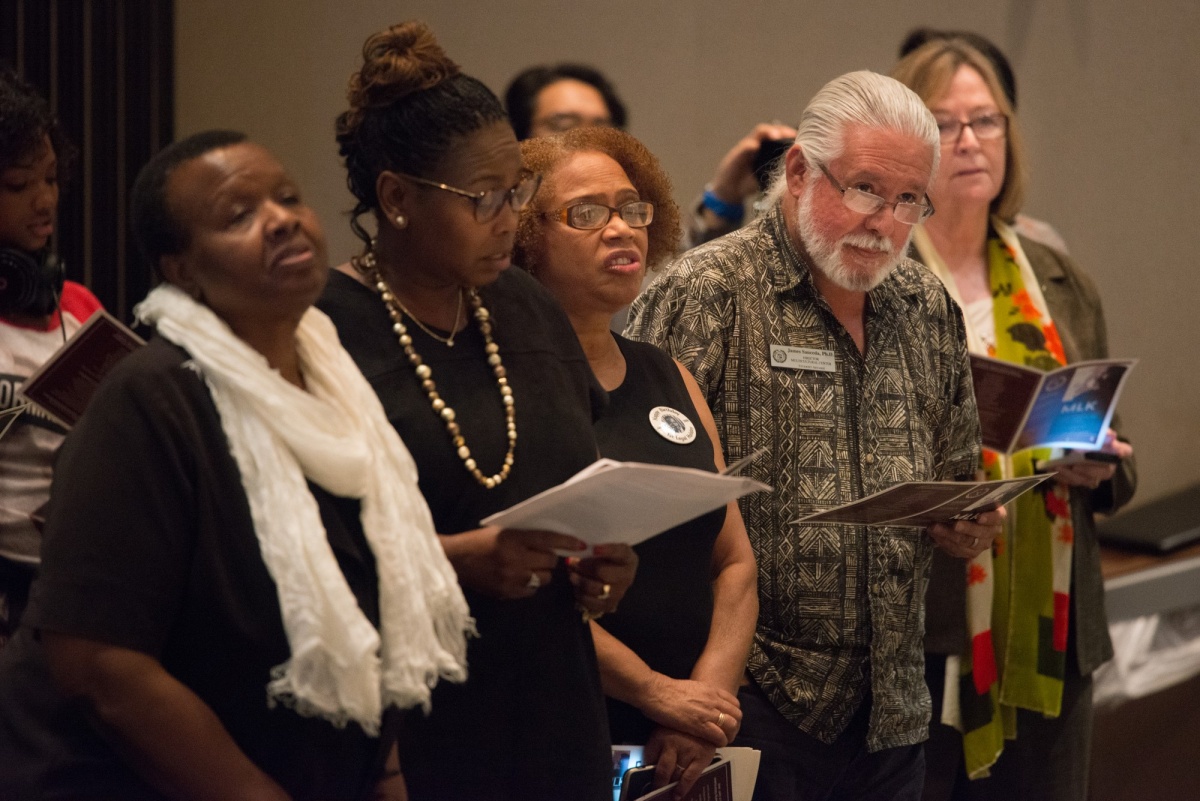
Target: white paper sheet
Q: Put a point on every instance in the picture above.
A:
(628, 502)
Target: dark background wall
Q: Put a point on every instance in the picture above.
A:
(106, 66)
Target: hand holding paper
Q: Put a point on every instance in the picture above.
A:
(966, 539)
(509, 563)
(602, 580)
(626, 502)
(1089, 469)
(678, 756)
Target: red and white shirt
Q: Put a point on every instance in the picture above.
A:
(27, 450)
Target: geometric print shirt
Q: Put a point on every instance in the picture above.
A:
(841, 608)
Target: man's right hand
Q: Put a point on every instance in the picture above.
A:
(506, 563)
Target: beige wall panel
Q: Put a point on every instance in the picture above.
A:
(1109, 94)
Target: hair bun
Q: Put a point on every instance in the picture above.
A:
(398, 61)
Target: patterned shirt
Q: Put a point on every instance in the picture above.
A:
(841, 608)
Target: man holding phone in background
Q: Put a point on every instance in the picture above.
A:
(743, 173)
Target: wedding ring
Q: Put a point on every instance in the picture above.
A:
(720, 719)
(534, 582)
(604, 593)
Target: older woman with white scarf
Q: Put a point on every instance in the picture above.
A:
(240, 575)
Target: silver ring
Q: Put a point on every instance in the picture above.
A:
(604, 593)
(534, 582)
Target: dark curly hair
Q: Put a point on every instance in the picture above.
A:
(409, 106)
(157, 232)
(25, 120)
(521, 96)
(545, 154)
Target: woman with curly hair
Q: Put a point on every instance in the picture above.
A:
(672, 657)
(478, 369)
(39, 310)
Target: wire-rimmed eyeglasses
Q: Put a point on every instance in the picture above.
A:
(985, 126)
(866, 203)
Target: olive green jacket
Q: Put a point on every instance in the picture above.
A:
(1074, 304)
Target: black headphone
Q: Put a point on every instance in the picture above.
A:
(30, 283)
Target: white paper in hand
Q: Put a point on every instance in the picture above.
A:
(628, 502)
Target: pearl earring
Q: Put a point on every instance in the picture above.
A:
(401, 221)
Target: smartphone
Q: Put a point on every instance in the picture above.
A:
(766, 159)
(636, 782)
(1075, 457)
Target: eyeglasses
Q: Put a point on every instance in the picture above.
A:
(985, 127)
(592, 216)
(866, 203)
(558, 123)
(489, 202)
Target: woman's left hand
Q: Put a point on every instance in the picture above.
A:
(677, 757)
(1091, 475)
(602, 579)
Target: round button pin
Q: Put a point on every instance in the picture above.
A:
(672, 425)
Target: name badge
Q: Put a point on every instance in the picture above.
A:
(672, 425)
(791, 358)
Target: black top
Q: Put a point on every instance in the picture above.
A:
(665, 616)
(529, 723)
(149, 545)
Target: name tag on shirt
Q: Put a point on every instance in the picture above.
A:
(793, 358)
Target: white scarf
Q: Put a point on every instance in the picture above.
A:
(336, 434)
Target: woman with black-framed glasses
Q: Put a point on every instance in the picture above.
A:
(478, 370)
(673, 656)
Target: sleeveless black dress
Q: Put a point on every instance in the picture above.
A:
(665, 616)
(529, 723)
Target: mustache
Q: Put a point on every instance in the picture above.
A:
(868, 242)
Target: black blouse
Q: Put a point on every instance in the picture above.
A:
(529, 723)
(149, 545)
(665, 616)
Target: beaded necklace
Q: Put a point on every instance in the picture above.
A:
(368, 266)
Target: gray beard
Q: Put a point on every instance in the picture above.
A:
(826, 256)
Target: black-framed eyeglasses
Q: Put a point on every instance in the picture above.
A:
(489, 202)
(985, 126)
(866, 203)
(592, 216)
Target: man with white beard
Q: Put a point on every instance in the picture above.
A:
(816, 340)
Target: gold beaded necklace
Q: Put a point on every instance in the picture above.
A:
(368, 266)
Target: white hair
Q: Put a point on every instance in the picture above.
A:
(858, 98)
